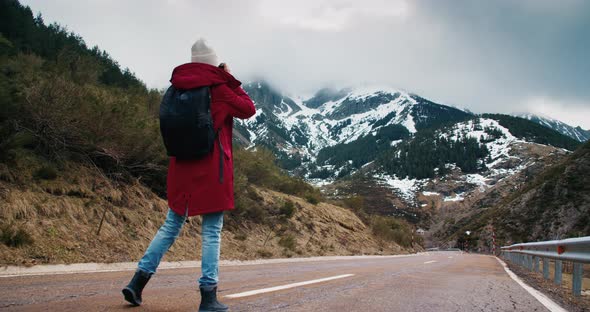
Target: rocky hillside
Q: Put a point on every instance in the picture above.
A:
(548, 203)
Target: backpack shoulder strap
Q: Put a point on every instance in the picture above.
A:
(221, 152)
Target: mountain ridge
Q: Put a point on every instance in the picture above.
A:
(299, 130)
(576, 133)
(289, 127)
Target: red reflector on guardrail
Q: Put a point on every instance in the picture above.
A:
(560, 250)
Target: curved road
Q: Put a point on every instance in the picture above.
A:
(439, 281)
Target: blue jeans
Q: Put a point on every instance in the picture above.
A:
(167, 234)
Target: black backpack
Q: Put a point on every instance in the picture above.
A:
(186, 125)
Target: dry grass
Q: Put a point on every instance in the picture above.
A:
(62, 217)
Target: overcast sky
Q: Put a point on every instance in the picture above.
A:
(488, 56)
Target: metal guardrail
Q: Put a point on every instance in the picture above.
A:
(576, 250)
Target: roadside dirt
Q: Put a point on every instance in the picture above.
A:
(561, 294)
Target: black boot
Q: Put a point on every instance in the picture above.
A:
(209, 301)
(133, 291)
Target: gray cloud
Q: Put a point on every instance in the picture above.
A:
(488, 56)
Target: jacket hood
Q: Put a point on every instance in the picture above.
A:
(195, 75)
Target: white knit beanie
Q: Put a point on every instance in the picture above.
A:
(202, 53)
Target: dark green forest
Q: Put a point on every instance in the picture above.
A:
(362, 150)
(427, 153)
(30, 35)
(62, 101)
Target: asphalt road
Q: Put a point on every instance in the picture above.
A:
(438, 281)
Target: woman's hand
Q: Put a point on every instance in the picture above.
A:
(225, 67)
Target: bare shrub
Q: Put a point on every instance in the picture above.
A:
(392, 229)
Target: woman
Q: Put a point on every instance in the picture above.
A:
(200, 187)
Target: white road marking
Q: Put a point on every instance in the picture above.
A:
(427, 262)
(276, 288)
(544, 300)
(450, 257)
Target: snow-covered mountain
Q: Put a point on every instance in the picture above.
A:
(404, 154)
(576, 133)
(297, 130)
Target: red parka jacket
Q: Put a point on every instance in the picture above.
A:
(194, 186)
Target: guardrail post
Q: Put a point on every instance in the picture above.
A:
(577, 279)
(536, 264)
(557, 275)
(546, 268)
(529, 262)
